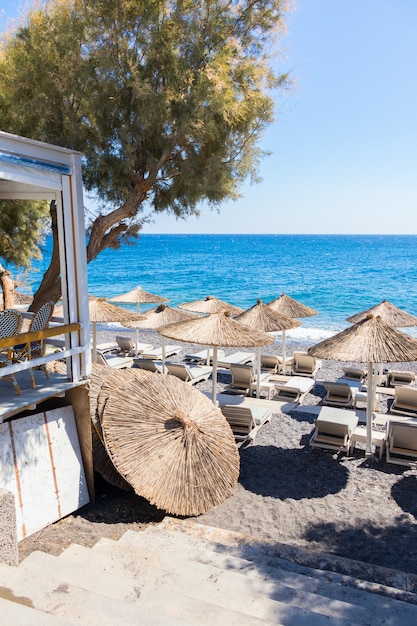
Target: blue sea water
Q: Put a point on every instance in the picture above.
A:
(337, 275)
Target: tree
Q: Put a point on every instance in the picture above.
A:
(23, 225)
(167, 100)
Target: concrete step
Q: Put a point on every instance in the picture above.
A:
(14, 613)
(256, 565)
(267, 598)
(55, 586)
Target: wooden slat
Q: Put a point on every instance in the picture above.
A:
(7, 342)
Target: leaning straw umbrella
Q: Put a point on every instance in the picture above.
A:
(170, 443)
(262, 317)
(292, 308)
(158, 317)
(138, 296)
(217, 329)
(369, 341)
(210, 305)
(102, 311)
(389, 313)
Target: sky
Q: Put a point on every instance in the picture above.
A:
(344, 140)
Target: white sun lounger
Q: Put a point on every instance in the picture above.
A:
(294, 389)
(191, 374)
(238, 358)
(156, 353)
(245, 421)
(201, 357)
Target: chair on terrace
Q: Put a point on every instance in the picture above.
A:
(10, 325)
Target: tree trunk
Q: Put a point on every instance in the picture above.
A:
(105, 232)
(7, 285)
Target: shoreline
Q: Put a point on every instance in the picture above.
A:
(287, 492)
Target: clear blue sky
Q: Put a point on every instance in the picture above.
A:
(344, 143)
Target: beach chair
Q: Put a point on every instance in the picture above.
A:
(204, 356)
(402, 443)
(150, 365)
(156, 353)
(271, 363)
(339, 394)
(354, 373)
(305, 364)
(395, 378)
(245, 378)
(245, 421)
(294, 389)
(191, 374)
(334, 432)
(113, 360)
(127, 347)
(405, 401)
(238, 358)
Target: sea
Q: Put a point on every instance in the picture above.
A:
(337, 275)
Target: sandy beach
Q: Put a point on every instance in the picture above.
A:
(287, 492)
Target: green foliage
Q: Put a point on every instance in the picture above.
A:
(166, 99)
(23, 226)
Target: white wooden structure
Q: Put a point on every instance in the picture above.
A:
(34, 170)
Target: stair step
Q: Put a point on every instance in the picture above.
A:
(262, 566)
(14, 613)
(263, 598)
(152, 606)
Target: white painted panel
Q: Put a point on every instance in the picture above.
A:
(40, 463)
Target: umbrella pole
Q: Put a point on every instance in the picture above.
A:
(163, 356)
(137, 331)
(369, 408)
(258, 373)
(284, 353)
(94, 343)
(214, 377)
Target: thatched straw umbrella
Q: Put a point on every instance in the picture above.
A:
(170, 443)
(262, 317)
(20, 299)
(369, 341)
(102, 311)
(101, 460)
(158, 317)
(389, 313)
(292, 308)
(138, 296)
(210, 305)
(217, 329)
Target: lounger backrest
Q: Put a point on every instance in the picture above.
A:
(148, 365)
(332, 428)
(125, 343)
(242, 374)
(398, 378)
(354, 373)
(268, 360)
(403, 435)
(304, 362)
(339, 390)
(406, 395)
(240, 419)
(179, 370)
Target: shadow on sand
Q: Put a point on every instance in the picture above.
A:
(290, 473)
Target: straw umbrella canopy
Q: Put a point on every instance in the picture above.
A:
(20, 299)
(389, 313)
(102, 311)
(138, 296)
(292, 308)
(369, 341)
(170, 443)
(261, 317)
(158, 317)
(217, 329)
(210, 305)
